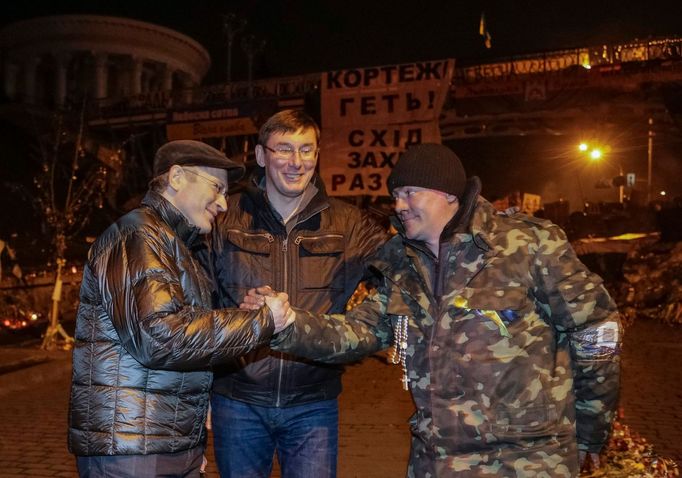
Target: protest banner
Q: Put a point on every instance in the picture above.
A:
(370, 115)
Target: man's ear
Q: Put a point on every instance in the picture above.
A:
(451, 198)
(260, 155)
(176, 177)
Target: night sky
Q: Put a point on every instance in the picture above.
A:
(318, 35)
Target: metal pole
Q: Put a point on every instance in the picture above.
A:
(232, 25)
(229, 57)
(252, 46)
(650, 156)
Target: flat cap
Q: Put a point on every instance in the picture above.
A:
(187, 152)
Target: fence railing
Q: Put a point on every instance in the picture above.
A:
(557, 61)
(561, 60)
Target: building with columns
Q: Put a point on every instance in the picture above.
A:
(52, 61)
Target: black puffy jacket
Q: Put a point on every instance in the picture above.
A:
(319, 264)
(146, 338)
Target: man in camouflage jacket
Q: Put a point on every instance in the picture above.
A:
(509, 344)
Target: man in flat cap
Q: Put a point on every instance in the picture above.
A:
(508, 344)
(146, 337)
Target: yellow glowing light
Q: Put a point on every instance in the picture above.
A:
(595, 154)
(582, 146)
(662, 193)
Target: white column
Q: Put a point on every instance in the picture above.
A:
(101, 75)
(62, 65)
(30, 65)
(187, 92)
(136, 77)
(123, 80)
(167, 81)
(146, 81)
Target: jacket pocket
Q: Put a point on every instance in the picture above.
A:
(321, 261)
(255, 243)
(246, 262)
(538, 421)
(497, 307)
(397, 305)
(495, 298)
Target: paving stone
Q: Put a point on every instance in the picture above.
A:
(374, 434)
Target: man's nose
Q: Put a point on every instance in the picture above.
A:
(222, 203)
(296, 160)
(400, 204)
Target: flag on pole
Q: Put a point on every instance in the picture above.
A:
(483, 31)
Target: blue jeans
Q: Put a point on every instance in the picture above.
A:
(183, 464)
(245, 438)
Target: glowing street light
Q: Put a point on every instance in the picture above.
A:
(596, 154)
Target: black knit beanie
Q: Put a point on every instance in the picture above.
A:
(431, 166)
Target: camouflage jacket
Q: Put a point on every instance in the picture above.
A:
(511, 370)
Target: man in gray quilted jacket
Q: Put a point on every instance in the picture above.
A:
(146, 337)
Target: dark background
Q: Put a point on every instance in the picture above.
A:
(316, 36)
(319, 35)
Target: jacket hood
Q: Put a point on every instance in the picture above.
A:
(461, 221)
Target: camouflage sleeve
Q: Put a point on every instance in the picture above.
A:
(584, 314)
(337, 338)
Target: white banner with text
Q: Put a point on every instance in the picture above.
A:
(370, 115)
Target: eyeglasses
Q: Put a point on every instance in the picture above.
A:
(218, 188)
(307, 153)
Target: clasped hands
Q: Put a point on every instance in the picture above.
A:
(277, 302)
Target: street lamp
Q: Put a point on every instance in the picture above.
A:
(596, 154)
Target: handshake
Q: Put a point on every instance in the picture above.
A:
(277, 302)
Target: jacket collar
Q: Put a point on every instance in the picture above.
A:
(188, 233)
(471, 223)
(483, 226)
(461, 221)
(316, 202)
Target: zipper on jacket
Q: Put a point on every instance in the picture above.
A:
(285, 287)
(299, 239)
(266, 235)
